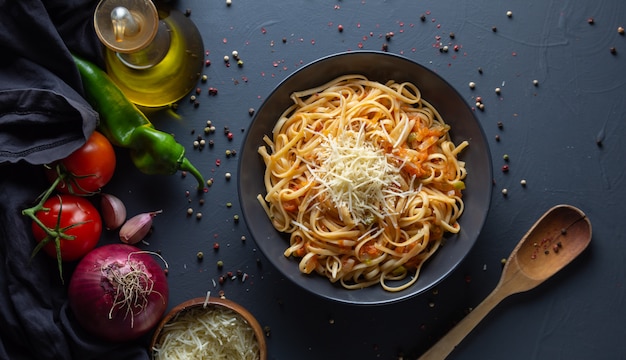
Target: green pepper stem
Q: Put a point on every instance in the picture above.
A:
(186, 165)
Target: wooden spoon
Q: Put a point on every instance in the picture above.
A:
(556, 239)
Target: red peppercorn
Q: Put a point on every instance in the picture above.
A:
(212, 91)
(207, 62)
(216, 246)
(505, 168)
(229, 135)
(340, 28)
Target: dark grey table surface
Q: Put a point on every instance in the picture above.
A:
(563, 136)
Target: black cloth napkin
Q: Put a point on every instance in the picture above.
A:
(43, 117)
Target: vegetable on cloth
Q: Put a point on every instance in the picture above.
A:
(43, 118)
(152, 151)
(118, 292)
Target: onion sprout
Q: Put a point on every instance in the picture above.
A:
(132, 287)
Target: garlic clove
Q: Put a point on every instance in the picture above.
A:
(137, 227)
(113, 211)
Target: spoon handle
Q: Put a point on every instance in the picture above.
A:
(448, 342)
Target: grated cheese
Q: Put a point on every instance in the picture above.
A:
(214, 332)
(356, 175)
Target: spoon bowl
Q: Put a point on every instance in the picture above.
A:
(556, 239)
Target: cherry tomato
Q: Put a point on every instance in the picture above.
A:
(68, 216)
(87, 169)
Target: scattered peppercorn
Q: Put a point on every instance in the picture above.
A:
(423, 17)
(187, 12)
(199, 216)
(207, 62)
(494, 29)
(505, 157)
(227, 176)
(212, 91)
(340, 28)
(620, 30)
(613, 50)
(523, 182)
(385, 47)
(505, 168)
(226, 58)
(251, 111)
(509, 13)
(498, 91)
(240, 63)
(236, 218)
(591, 21)
(200, 255)
(452, 35)
(472, 85)
(500, 125)
(505, 191)
(536, 82)
(204, 78)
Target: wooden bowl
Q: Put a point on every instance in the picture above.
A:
(199, 303)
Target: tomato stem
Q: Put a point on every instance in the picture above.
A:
(55, 234)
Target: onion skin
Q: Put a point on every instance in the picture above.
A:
(91, 294)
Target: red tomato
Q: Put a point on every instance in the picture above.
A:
(73, 216)
(87, 169)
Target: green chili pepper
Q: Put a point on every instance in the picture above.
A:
(152, 151)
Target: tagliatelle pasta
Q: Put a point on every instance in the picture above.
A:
(365, 179)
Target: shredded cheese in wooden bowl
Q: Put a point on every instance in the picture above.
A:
(209, 328)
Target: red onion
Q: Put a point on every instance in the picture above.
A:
(118, 292)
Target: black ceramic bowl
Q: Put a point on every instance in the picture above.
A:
(379, 66)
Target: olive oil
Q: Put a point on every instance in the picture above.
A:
(171, 78)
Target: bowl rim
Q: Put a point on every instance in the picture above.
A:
(215, 301)
(483, 195)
